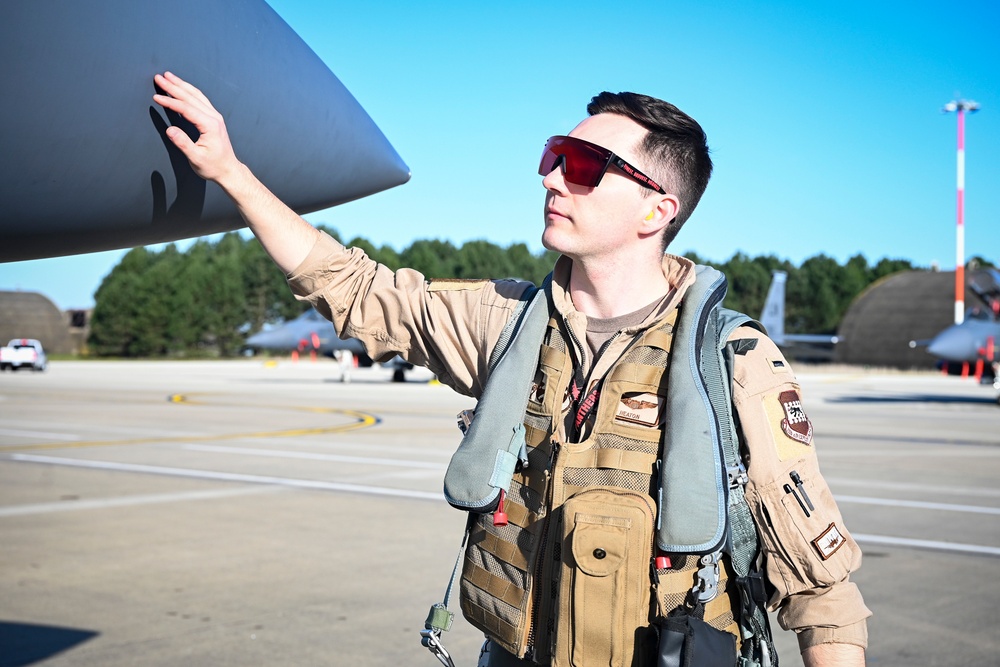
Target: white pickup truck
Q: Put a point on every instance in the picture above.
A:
(23, 353)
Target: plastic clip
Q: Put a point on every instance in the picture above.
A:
(707, 586)
(737, 476)
(432, 640)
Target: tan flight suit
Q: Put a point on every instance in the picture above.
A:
(451, 326)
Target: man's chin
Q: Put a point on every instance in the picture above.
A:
(561, 249)
(550, 240)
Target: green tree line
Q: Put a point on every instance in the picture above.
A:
(206, 300)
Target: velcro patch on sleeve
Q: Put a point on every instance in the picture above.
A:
(644, 409)
(453, 284)
(828, 541)
(792, 430)
(795, 424)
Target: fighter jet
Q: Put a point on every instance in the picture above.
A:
(802, 346)
(970, 348)
(84, 160)
(312, 333)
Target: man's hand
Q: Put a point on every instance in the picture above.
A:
(286, 237)
(212, 156)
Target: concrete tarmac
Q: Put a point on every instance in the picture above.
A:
(243, 513)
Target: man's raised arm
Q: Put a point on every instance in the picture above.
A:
(286, 237)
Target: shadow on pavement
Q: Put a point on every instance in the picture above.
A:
(25, 643)
(915, 398)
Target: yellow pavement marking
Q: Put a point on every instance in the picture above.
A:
(362, 420)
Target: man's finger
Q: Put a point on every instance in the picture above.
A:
(204, 122)
(189, 89)
(182, 93)
(176, 92)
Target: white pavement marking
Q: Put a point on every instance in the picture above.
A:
(332, 486)
(372, 447)
(127, 501)
(41, 435)
(926, 544)
(918, 504)
(902, 451)
(910, 486)
(226, 476)
(314, 456)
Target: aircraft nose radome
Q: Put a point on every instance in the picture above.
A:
(953, 344)
(258, 339)
(88, 167)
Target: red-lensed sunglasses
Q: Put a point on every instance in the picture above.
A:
(585, 163)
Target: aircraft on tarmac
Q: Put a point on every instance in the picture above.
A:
(312, 333)
(971, 347)
(817, 347)
(84, 159)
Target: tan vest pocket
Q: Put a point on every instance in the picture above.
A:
(604, 592)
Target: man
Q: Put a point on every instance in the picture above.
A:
(618, 188)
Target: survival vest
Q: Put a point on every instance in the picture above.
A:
(554, 525)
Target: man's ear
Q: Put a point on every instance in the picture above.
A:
(664, 210)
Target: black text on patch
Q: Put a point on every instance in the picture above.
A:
(644, 409)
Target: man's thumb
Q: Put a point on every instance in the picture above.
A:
(180, 138)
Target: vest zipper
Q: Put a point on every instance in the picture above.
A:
(536, 593)
(579, 346)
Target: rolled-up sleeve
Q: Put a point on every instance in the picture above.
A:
(809, 554)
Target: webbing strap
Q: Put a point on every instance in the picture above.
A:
(439, 619)
(510, 329)
(743, 544)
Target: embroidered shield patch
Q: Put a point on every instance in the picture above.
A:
(796, 424)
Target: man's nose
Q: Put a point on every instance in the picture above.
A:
(556, 180)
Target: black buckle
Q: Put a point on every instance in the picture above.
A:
(753, 591)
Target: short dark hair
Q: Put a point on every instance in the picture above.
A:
(676, 146)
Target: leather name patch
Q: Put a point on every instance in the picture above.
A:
(644, 409)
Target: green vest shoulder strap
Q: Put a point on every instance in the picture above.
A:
(694, 484)
(485, 461)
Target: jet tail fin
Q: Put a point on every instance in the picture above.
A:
(773, 315)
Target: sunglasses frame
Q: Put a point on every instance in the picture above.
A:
(609, 158)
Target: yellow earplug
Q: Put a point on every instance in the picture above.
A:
(650, 216)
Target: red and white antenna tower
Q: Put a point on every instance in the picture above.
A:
(960, 106)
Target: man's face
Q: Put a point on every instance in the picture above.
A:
(583, 222)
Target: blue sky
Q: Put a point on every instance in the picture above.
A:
(824, 120)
